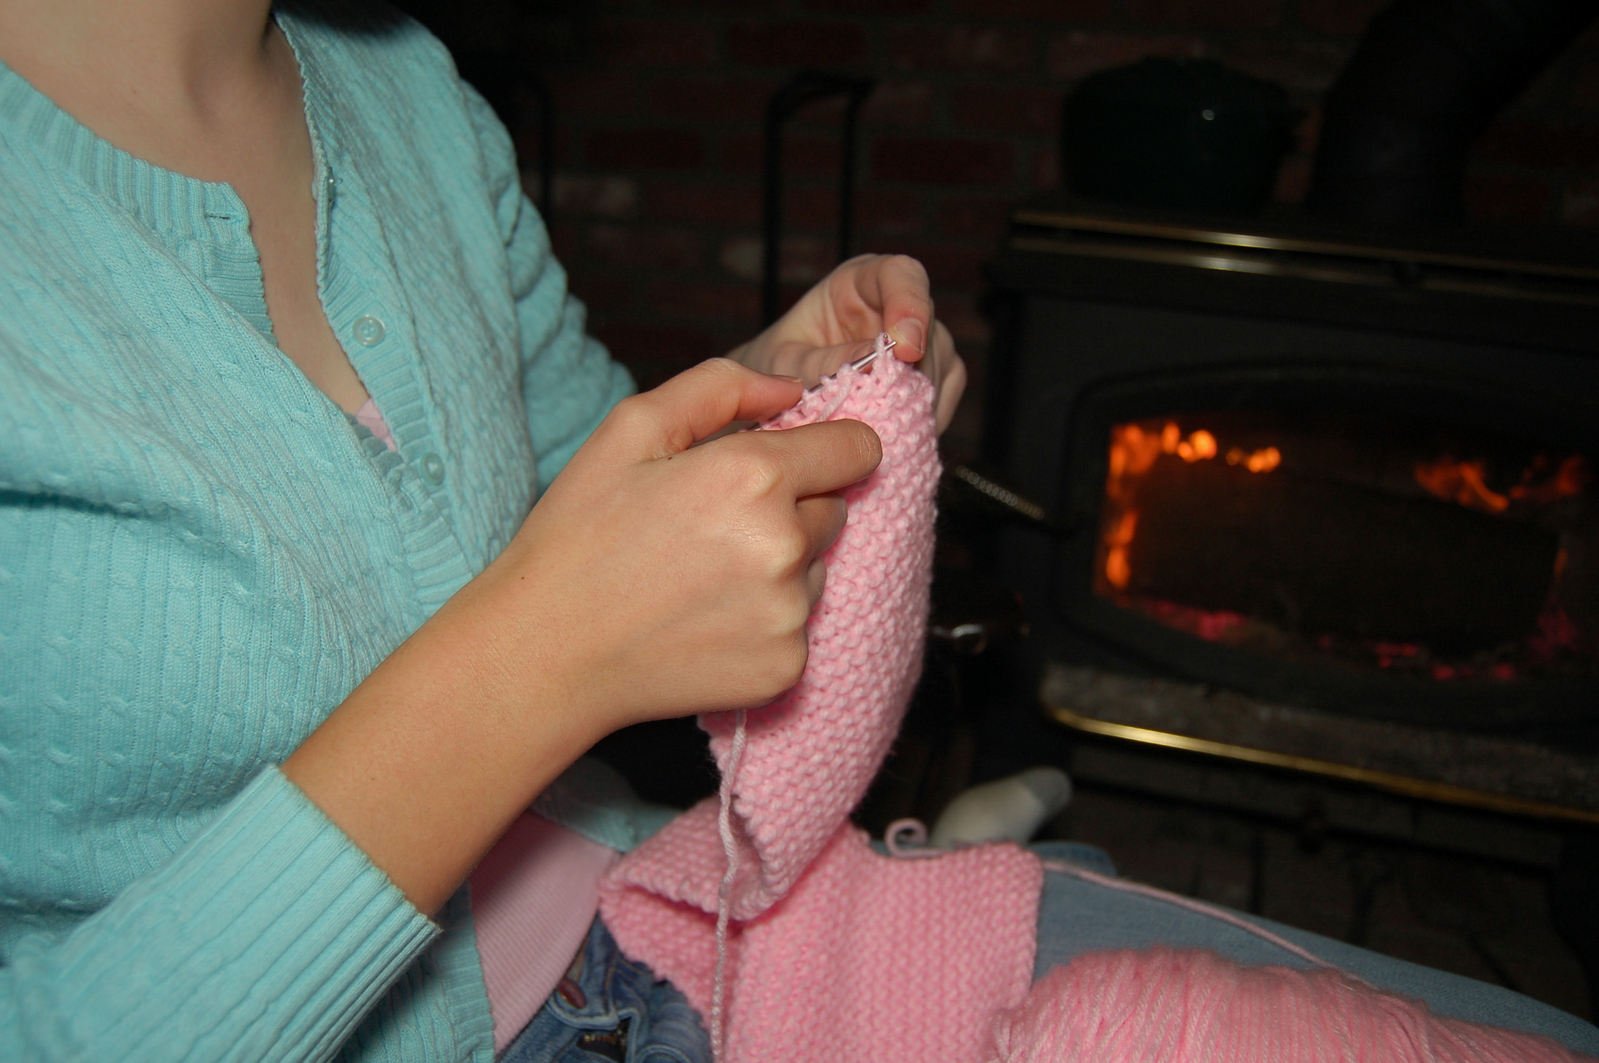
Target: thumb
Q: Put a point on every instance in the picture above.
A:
(700, 402)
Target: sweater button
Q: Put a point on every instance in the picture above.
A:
(368, 331)
(433, 469)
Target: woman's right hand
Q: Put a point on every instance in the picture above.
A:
(656, 577)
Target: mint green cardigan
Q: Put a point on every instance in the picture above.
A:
(200, 556)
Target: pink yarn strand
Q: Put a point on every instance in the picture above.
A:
(905, 840)
(1200, 907)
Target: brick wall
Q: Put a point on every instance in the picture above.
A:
(658, 109)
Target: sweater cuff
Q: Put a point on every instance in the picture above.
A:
(268, 935)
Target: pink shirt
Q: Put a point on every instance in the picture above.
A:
(533, 899)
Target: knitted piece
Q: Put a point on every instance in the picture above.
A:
(867, 956)
(810, 755)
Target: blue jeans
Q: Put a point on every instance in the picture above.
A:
(613, 1010)
(1077, 916)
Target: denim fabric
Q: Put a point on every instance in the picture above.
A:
(611, 1010)
(1076, 916)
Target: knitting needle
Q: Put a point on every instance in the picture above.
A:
(860, 364)
(880, 346)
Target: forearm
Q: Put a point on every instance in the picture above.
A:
(432, 757)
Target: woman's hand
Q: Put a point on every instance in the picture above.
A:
(656, 577)
(681, 577)
(864, 296)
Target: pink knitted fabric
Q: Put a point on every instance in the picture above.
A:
(836, 952)
(1109, 1007)
(811, 755)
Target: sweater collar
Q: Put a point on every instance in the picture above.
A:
(164, 200)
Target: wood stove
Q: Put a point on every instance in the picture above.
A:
(1345, 480)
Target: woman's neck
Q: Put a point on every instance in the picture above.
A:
(159, 78)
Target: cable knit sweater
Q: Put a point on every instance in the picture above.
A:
(199, 558)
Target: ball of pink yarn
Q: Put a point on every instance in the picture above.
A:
(1191, 1005)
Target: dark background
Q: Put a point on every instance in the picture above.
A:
(657, 109)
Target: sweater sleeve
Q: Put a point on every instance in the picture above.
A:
(268, 935)
(569, 381)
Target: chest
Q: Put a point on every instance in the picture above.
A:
(199, 555)
(280, 190)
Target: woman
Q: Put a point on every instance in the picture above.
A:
(226, 229)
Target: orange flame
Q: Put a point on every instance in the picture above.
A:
(1465, 483)
(1133, 452)
(1461, 482)
(1570, 478)
(1117, 568)
(1264, 460)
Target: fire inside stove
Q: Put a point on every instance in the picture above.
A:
(1405, 548)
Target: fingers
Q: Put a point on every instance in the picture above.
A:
(896, 286)
(666, 422)
(817, 459)
(941, 362)
(948, 373)
(949, 398)
(697, 404)
(818, 362)
(822, 519)
(815, 581)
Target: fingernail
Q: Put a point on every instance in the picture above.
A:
(910, 333)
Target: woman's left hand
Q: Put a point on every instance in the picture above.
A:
(864, 296)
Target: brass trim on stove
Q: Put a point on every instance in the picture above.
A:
(1067, 222)
(1372, 271)
(1217, 257)
(1394, 783)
